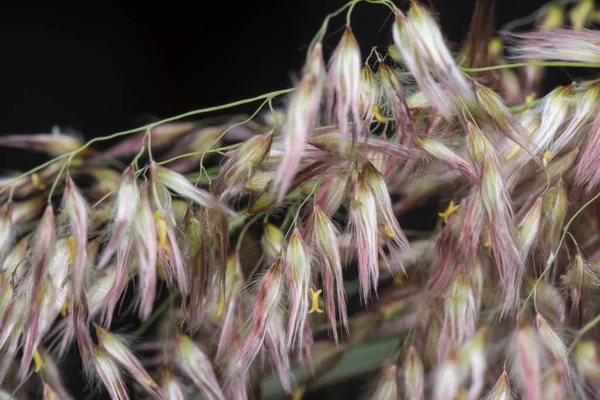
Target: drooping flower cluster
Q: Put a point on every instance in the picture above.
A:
(238, 249)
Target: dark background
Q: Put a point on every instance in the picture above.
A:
(103, 68)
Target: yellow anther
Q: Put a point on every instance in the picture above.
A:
(64, 309)
(42, 293)
(392, 309)
(298, 393)
(399, 279)
(462, 395)
(35, 179)
(39, 363)
(530, 98)
(513, 153)
(495, 46)
(315, 301)
(449, 211)
(378, 115)
(488, 241)
(546, 158)
(71, 240)
(388, 231)
(221, 306)
(161, 226)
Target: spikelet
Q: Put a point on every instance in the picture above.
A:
(343, 83)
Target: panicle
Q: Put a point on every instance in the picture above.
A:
(343, 83)
(298, 276)
(198, 368)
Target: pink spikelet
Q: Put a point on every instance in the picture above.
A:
(587, 175)
(390, 228)
(108, 371)
(527, 355)
(298, 274)
(326, 255)
(115, 292)
(394, 94)
(559, 44)
(234, 283)
(504, 244)
(43, 245)
(197, 367)
(125, 208)
(369, 97)
(501, 389)
(270, 295)
(118, 350)
(363, 221)
(146, 247)
(343, 84)
(77, 214)
(179, 185)
(302, 116)
(276, 343)
(7, 231)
